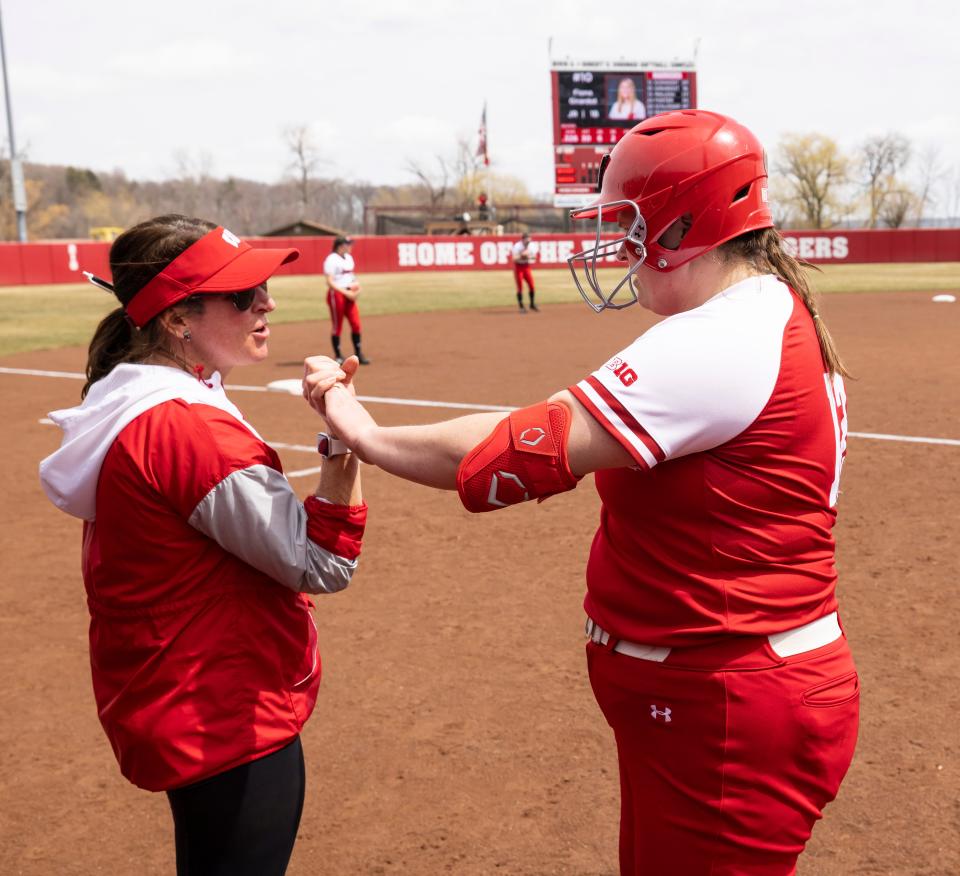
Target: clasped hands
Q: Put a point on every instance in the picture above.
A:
(324, 382)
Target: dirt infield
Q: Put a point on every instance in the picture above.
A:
(455, 730)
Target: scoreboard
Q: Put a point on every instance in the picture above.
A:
(595, 104)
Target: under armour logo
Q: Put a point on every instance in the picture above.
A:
(661, 713)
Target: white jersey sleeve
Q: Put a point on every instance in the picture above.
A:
(697, 379)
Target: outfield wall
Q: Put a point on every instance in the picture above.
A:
(62, 261)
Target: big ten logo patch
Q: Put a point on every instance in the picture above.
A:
(626, 374)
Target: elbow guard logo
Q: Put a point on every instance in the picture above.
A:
(523, 458)
(510, 485)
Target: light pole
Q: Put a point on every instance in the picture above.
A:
(16, 168)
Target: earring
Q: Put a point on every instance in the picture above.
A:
(187, 335)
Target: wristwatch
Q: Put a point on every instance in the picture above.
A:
(328, 446)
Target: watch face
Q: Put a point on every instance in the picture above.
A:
(323, 444)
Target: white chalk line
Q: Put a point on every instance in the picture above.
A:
(299, 448)
(31, 372)
(462, 406)
(912, 439)
(302, 472)
(239, 387)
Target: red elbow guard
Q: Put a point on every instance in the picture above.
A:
(524, 457)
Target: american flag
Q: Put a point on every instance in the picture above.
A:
(482, 141)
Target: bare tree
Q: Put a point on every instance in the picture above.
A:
(781, 204)
(814, 171)
(897, 206)
(304, 162)
(192, 183)
(930, 178)
(69, 201)
(435, 183)
(950, 198)
(883, 158)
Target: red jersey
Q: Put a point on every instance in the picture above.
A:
(738, 435)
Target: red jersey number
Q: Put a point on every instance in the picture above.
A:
(837, 399)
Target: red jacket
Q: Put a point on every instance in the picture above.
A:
(202, 644)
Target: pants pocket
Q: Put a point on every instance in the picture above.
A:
(834, 692)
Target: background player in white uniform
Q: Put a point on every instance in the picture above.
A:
(717, 438)
(342, 293)
(524, 254)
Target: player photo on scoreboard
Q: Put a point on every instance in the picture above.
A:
(625, 98)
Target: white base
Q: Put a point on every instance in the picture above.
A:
(290, 385)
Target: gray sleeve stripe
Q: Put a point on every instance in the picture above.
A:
(255, 515)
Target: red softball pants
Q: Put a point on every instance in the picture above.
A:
(728, 753)
(521, 273)
(340, 307)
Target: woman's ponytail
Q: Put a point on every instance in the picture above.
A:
(765, 251)
(110, 345)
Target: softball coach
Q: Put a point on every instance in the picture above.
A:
(196, 553)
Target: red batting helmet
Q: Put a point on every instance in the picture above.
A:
(687, 163)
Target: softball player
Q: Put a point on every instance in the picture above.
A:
(717, 437)
(342, 292)
(524, 254)
(197, 555)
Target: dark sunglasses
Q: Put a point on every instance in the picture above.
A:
(243, 300)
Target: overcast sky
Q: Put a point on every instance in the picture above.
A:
(123, 84)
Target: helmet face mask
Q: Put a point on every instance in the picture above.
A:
(583, 264)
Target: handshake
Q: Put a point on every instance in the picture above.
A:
(328, 389)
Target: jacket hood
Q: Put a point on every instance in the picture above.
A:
(69, 475)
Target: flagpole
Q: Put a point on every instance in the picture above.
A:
(16, 167)
(486, 158)
(483, 153)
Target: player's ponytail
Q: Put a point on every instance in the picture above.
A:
(136, 257)
(764, 249)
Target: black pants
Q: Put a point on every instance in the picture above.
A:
(242, 822)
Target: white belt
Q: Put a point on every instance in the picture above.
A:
(813, 635)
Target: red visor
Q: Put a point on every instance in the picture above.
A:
(218, 262)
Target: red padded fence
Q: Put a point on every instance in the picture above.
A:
(62, 261)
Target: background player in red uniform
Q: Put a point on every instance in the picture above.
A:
(197, 555)
(717, 438)
(342, 293)
(524, 254)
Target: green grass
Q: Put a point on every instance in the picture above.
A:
(902, 277)
(46, 317)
